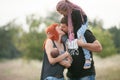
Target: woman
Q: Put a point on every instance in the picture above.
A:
(53, 67)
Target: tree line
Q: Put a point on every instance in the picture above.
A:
(15, 42)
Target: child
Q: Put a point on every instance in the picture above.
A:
(54, 52)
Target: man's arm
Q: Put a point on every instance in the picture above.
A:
(95, 46)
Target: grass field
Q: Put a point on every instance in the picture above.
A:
(19, 69)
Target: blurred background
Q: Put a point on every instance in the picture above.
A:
(22, 24)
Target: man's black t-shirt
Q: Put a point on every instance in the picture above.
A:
(76, 70)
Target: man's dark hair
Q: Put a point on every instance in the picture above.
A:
(64, 20)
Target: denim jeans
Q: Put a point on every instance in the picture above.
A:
(80, 33)
(53, 78)
(92, 77)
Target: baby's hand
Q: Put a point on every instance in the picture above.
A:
(67, 54)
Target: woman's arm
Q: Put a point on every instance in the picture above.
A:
(67, 61)
(48, 49)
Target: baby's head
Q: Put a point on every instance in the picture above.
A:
(54, 52)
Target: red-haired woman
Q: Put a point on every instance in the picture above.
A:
(53, 68)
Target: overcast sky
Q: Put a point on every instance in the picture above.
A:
(107, 10)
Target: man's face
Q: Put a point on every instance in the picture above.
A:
(64, 27)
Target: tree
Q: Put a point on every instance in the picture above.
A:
(33, 22)
(31, 43)
(8, 34)
(105, 38)
(116, 37)
(53, 17)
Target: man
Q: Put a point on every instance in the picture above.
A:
(76, 71)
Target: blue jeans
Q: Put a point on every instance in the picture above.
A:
(53, 78)
(92, 77)
(80, 33)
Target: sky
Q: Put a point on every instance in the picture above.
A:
(106, 10)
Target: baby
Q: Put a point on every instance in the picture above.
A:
(54, 52)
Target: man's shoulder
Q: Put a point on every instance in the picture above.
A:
(88, 32)
(89, 36)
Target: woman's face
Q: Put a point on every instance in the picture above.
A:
(60, 32)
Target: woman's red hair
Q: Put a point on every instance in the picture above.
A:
(52, 33)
